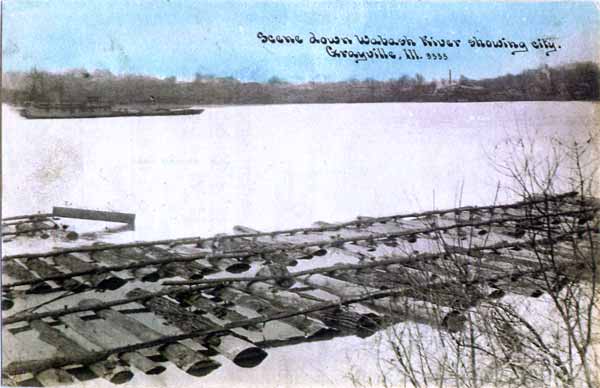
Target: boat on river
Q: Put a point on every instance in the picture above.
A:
(42, 110)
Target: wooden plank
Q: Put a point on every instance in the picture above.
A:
(28, 216)
(309, 326)
(304, 254)
(345, 320)
(129, 255)
(401, 308)
(14, 223)
(242, 353)
(280, 274)
(17, 270)
(107, 369)
(104, 281)
(228, 264)
(24, 316)
(29, 228)
(42, 268)
(183, 357)
(188, 270)
(96, 215)
(446, 295)
(107, 337)
(221, 312)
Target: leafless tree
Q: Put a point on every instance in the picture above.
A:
(540, 332)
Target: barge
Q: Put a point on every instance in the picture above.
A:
(94, 110)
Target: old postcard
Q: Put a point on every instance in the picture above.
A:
(300, 193)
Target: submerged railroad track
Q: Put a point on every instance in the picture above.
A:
(118, 309)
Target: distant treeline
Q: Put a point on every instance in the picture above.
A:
(578, 81)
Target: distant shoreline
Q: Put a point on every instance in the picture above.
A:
(196, 106)
(572, 82)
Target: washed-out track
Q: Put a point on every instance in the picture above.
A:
(125, 308)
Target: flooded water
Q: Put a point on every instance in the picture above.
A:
(272, 167)
(269, 166)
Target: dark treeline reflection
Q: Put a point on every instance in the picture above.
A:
(578, 81)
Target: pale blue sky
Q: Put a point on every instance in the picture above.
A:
(182, 37)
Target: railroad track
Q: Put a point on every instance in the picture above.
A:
(124, 308)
